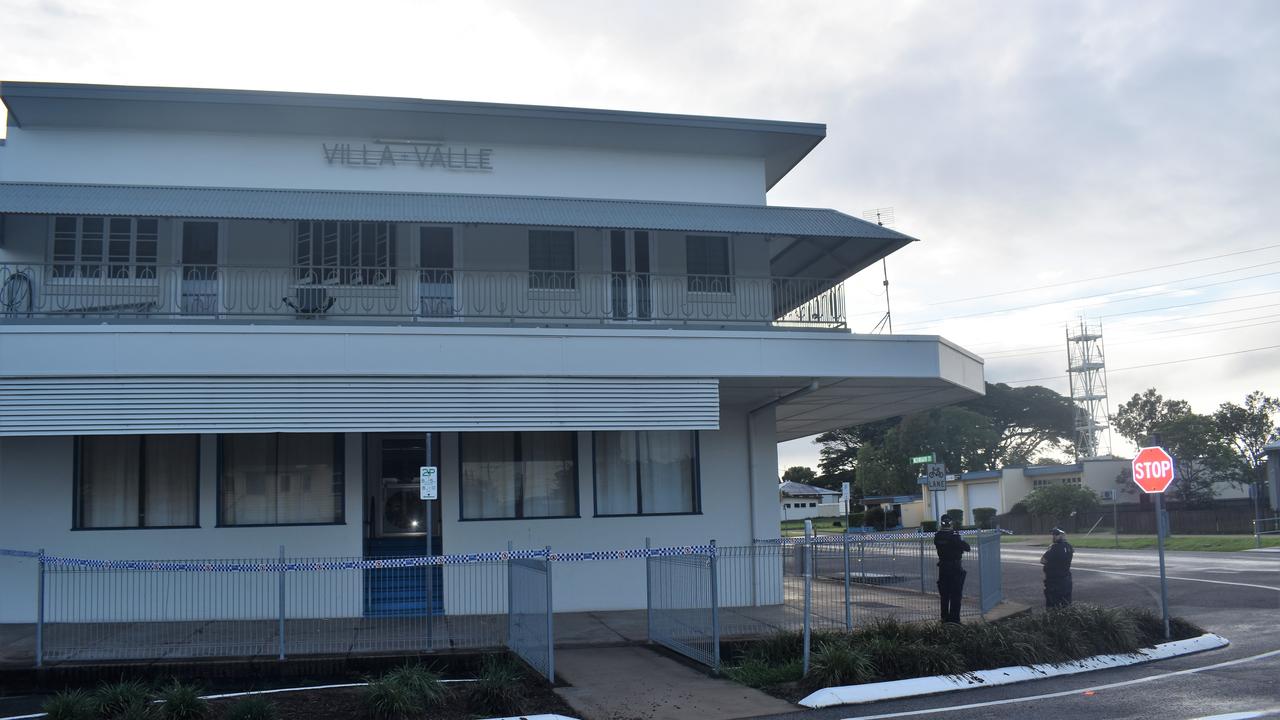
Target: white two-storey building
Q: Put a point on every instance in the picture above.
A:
(231, 321)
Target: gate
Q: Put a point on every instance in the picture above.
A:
(530, 633)
(989, 582)
(683, 606)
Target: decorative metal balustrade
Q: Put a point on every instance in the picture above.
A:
(223, 292)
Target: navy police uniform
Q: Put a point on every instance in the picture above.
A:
(951, 547)
(1057, 571)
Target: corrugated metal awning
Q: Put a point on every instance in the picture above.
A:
(116, 406)
(269, 204)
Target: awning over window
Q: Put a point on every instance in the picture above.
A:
(115, 406)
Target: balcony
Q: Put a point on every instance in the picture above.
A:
(97, 292)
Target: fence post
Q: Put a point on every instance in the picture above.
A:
(510, 597)
(982, 570)
(551, 632)
(40, 608)
(862, 558)
(848, 607)
(715, 612)
(1257, 536)
(808, 588)
(648, 589)
(921, 538)
(281, 593)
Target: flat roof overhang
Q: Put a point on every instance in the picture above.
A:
(805, 242)
(34, 105)
(859, 378)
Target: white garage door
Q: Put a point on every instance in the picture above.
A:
(984, 495)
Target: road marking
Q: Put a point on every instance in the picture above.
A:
(1247, 715)
(1171, 577)
(1067, 693)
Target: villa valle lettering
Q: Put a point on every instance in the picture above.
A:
(423, 155)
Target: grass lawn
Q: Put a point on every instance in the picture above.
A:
(1205, 543)
(821, 526)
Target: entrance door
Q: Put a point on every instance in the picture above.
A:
(630, 281)
(395, 525)
(201, 280)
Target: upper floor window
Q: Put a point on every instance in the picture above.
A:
(708, 264)
(344, 253)
(117, 248)
(136, 481)
(281, 479)
(552, 260)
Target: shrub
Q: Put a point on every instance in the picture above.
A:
(984, 517)
(875, 517)
(757, 673)
(894, 660)
(840, 662)
(499, 689)
(182, 702)
(928, 526)
(857, 519)
(957, 516)
(1019, 508)
(422, 684)
(386, 699)
(985, 646)
(254, 707)
(126, 698)
(1107, 630)
(70, 705)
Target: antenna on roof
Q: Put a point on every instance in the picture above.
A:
(884, 218)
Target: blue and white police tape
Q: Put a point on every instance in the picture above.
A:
(317, 565)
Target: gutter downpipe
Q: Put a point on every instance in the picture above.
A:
(751, 472)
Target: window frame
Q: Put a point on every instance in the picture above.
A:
(570, 276)
(697, 481)
(518, 459)
(340, 471)
(73, 270)
(696, 283)
(317, 272)
(77, 485)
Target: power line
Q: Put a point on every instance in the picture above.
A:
(1148, 365)
(1100, 277)
(1088, 297)
(1137, 338)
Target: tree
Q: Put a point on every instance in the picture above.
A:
(1144, 414)
(1247, 428)
(800, 474)
(1060, 501)
(1025, 420)
(1201, 454)
(839, 452)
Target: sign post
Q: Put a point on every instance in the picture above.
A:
(428, 492)
(1153, 472)
(936, 477)
(846, 495)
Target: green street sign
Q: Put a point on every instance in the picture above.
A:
(923, 459)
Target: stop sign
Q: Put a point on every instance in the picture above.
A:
(1153, 470)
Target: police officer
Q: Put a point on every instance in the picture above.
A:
(951, 573)
(1057, 571)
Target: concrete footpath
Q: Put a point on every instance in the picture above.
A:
(622, 683)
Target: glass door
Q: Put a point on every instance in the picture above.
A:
(201, 280)
(397, 517)
(436, 273)
(630, 286)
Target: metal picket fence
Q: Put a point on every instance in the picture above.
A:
(530, 628)
(683, 605)
(696, 597)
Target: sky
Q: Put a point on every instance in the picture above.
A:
(1057, 160)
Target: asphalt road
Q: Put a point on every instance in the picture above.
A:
(1236, 595)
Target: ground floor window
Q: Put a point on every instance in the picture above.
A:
(135, 481)
(646, 472)
(507, 475)
(281, 479)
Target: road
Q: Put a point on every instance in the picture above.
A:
(1236, 595)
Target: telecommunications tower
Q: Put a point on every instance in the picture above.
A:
(1087, 372)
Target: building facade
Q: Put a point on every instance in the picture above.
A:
(233, 321)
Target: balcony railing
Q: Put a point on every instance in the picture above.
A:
(222, 292)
